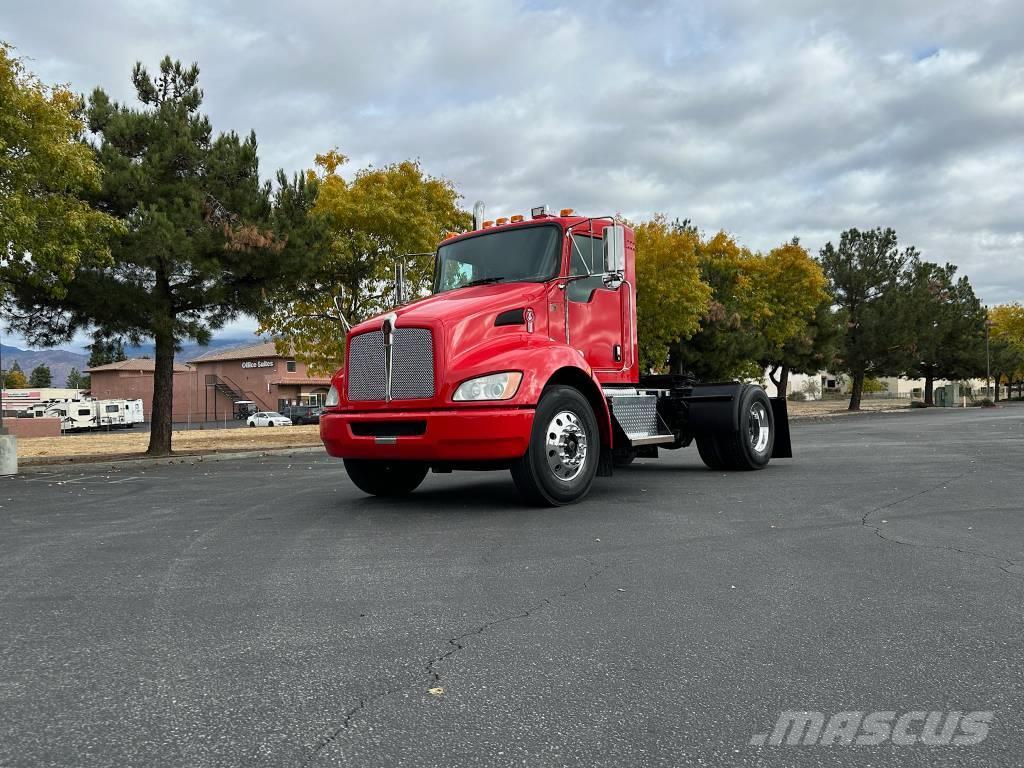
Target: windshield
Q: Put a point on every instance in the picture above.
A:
(529, 254)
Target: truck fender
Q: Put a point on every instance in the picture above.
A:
(714, 408)
(585, 383)
(543, 362)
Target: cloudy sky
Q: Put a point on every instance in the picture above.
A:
(768, 120)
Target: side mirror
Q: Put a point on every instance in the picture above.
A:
(614, 248)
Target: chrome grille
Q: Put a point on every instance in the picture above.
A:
(412, 359)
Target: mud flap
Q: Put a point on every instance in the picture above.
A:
(783, 448)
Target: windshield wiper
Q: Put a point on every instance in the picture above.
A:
(483, 281)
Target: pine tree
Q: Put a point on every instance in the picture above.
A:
(40, 377)
(104, 351)
(77, 380)
(201, 243)
(947, 322)
(864, 274)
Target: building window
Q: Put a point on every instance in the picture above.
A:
(291, 366)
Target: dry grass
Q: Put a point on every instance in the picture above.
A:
(838, 407)
(126, 445)
(108, 445)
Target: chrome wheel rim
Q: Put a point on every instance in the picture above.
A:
(566, 446)
(759, 428)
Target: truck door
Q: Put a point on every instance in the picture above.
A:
(595, 309)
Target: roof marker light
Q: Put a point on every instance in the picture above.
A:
(517, 218)
(502, 220)
(566, 212)
(487, 224)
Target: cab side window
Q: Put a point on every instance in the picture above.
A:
(587, 258)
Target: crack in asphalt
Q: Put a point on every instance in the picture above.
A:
(542, 603)
(1005, 563)
(456, 646)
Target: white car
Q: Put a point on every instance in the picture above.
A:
(268, 419)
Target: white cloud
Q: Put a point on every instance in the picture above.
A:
(767, 120)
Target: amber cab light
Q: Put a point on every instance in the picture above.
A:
(502, 220)
(566, 212)
(487, 224)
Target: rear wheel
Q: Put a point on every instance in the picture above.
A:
(708, 450)
(386, 478)
(561, 462)
(750, 447)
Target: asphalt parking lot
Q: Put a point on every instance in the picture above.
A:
(265, 612)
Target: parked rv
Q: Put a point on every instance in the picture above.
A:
(78, 415)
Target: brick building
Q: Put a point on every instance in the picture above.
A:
(133, 378)
(258, 373)
(207, 387)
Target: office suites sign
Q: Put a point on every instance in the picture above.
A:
(247, 364)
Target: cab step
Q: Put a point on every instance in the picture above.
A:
(636, 414)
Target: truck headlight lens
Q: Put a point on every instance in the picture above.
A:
(494, 386)
(332, 397)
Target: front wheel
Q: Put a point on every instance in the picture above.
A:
(561, 462)
(386, 478)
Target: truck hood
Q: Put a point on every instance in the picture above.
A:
(461, 305)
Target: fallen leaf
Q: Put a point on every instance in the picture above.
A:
(438, 691)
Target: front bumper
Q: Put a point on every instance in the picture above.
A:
(458, 434)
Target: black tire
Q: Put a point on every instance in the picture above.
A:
(534, 476)
(738, 450)
(386, 478)
(253, 425)
(707, 447)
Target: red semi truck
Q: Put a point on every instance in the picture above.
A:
(524, 357)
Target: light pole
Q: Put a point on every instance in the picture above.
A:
(988, 356)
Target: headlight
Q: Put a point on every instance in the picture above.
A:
(332, 397)
(494, 386)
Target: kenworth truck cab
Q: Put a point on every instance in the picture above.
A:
(524, 357)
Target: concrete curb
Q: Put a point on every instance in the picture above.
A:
(189, 458)
(847, 414)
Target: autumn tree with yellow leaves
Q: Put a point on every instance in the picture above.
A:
(371, 221)
(671, 296)
(47, 229)
(792, 314)
(1006, 346)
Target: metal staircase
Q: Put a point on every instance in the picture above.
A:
(222, 387)
(229, 390)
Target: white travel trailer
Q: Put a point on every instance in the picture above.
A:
(119, 413)
(76, 415)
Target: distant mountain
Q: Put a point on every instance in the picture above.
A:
(61, 361)
(189, 351)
